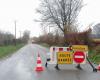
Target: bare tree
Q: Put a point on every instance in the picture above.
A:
(96, 30)
(6, 38)
(60, 13)
(26, 36)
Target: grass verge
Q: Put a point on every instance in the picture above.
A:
(95, 58)
(8, 50)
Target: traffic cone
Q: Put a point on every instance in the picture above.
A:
(39, 66)
(98, 68)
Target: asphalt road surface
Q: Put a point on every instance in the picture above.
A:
(21, 66)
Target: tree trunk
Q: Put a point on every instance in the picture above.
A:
(66, 43)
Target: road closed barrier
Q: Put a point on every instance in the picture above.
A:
(76, 54)
(69, 55)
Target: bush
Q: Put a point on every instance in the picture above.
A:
(97, 50)
(95, 56)
(79, 38)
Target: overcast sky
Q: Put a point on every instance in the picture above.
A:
(23, 11)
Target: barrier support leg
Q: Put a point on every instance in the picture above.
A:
(46, 64)
(78, 67)
(57, 68)
(94, 69)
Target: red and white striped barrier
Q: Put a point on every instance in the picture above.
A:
(54, 50)
(58, 49)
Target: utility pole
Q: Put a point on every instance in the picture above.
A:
(15, 32)
(20, 34)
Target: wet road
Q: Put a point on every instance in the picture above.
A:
(21, 65)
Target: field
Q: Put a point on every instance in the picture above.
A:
(8, 50)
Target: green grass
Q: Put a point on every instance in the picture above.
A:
(8, 50)
(94, 57)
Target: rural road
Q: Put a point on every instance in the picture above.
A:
(21, 65)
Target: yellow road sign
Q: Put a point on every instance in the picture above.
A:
(80, 47)
(64, 58)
